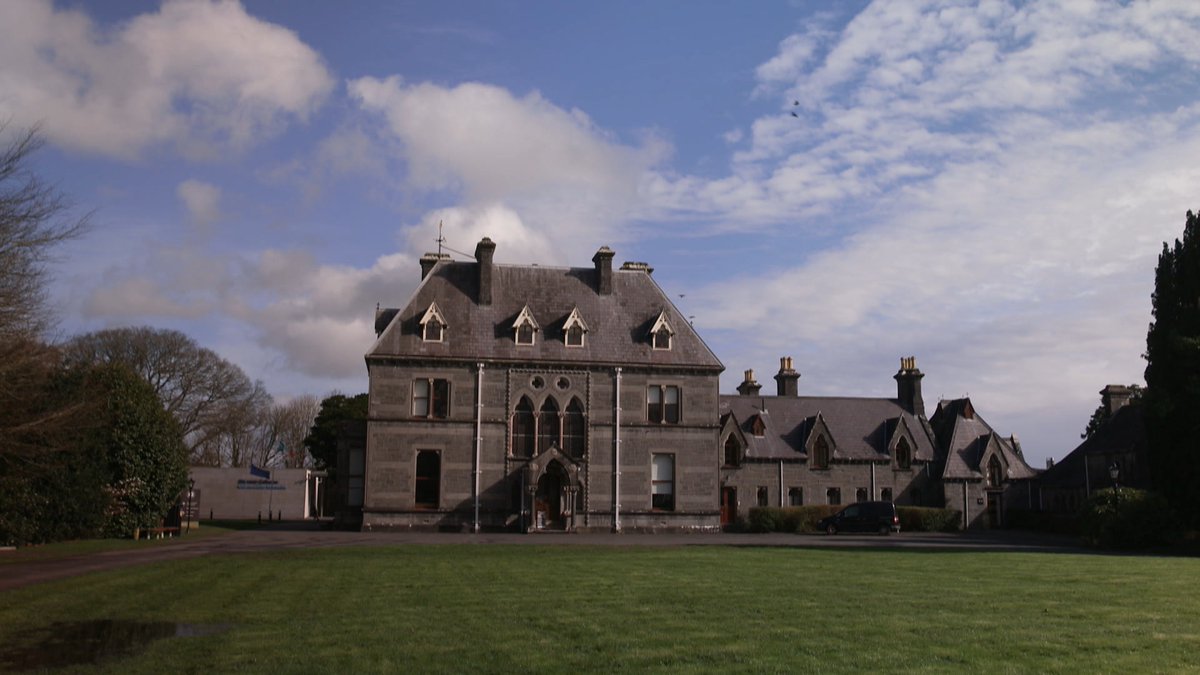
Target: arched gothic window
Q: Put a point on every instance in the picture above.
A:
(732, 451)
(524, 429)
(995, 472)
(549, 432)
(903, 455)
(820, 458)
(574, 429)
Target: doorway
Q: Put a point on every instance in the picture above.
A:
(728, 506)
(548, 500)
(993, 510)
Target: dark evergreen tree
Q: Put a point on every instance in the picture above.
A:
(336, 410)
(1172, 396)
(143, 445)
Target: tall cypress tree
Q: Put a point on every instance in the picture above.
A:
(1173, 374)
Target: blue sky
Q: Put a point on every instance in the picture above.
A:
(983, 185)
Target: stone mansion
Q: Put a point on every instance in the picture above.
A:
(526, 398)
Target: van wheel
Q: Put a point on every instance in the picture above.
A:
(884, 530)
(831, 529)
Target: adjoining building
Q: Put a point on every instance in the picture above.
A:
(1118, 446)
(534, 398)
(235, 493)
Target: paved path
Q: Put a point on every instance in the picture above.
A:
(286, 536)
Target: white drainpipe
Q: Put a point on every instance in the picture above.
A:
(966, 507)
(874, 494)
(781, 504)
(478, 435)
(617, 458)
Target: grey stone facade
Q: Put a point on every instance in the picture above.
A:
(554, 463)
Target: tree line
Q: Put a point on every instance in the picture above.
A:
(97, 432)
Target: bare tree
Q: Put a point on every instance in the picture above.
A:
(35, 420)
(33, 221)
(212, 399)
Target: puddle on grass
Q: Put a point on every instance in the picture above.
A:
(81, 642)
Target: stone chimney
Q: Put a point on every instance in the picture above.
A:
(483, 253)
(1114, 397)
(908, 386)
(749, 387)
(787, 379)
(603, 260)
(429, 260)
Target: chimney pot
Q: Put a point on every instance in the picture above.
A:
(787, 380)
(908, 386)
(749, 387)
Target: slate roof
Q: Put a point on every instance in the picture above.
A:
(619, 323)
(964, 439)
(1123, 433)
(860, 428)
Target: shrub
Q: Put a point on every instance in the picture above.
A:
(928, 519)
(795, 519)
(1127, 518)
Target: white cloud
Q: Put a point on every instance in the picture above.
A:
(524, 157)
(202, 200)
(998, 179)
(203, 75)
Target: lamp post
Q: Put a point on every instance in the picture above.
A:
(191, 489)
(1114, 472)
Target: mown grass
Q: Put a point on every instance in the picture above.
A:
(462, 608)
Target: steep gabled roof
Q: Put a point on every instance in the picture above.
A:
(964, 439)
(1122, 434)
(859, 428)
(619, 323)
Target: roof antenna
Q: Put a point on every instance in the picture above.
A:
(440, 239)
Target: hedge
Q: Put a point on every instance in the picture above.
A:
(805, 518)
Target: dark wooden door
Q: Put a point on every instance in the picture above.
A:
(728, 506)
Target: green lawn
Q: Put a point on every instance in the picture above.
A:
(463, 608)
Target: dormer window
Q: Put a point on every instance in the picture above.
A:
(995, 473)
(661, 333)
(574, 329)
(433, 324)
(525, 328)
(758, 427)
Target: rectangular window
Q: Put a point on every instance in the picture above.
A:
(860, 495)
(662, 404)
(428, 479)
(833, 496)
(796, 496)
(662, 482)
(885, 494)
(431, 398)
(764, 495)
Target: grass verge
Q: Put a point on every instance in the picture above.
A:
(461, 608)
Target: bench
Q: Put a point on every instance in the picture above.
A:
(158, 532)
